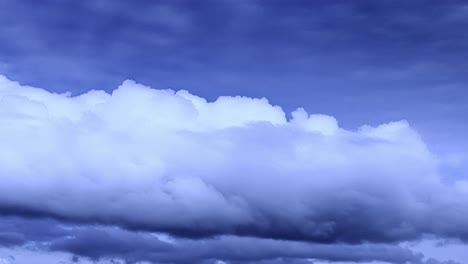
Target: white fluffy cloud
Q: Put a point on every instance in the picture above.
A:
(171, 161)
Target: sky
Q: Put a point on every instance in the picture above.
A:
(233, 131)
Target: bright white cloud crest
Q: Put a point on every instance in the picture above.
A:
(171, 161)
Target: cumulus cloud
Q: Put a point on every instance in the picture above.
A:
(169, 161)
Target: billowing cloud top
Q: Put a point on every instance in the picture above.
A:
(165, 161)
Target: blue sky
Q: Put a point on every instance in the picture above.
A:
(356, 63)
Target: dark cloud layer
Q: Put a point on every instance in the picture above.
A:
(99, 242)
(107, 41)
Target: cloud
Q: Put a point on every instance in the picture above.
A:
(119, 244)
(99, 243)
(4, 261)
(165, 161)
(110, 244)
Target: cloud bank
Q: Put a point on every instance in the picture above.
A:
(100, 242)
(235, 169)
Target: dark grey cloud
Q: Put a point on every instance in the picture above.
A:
(11, 239)
(233, 249)
(107, 41)
(17, 231)
(96, 242)
(105, 242)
